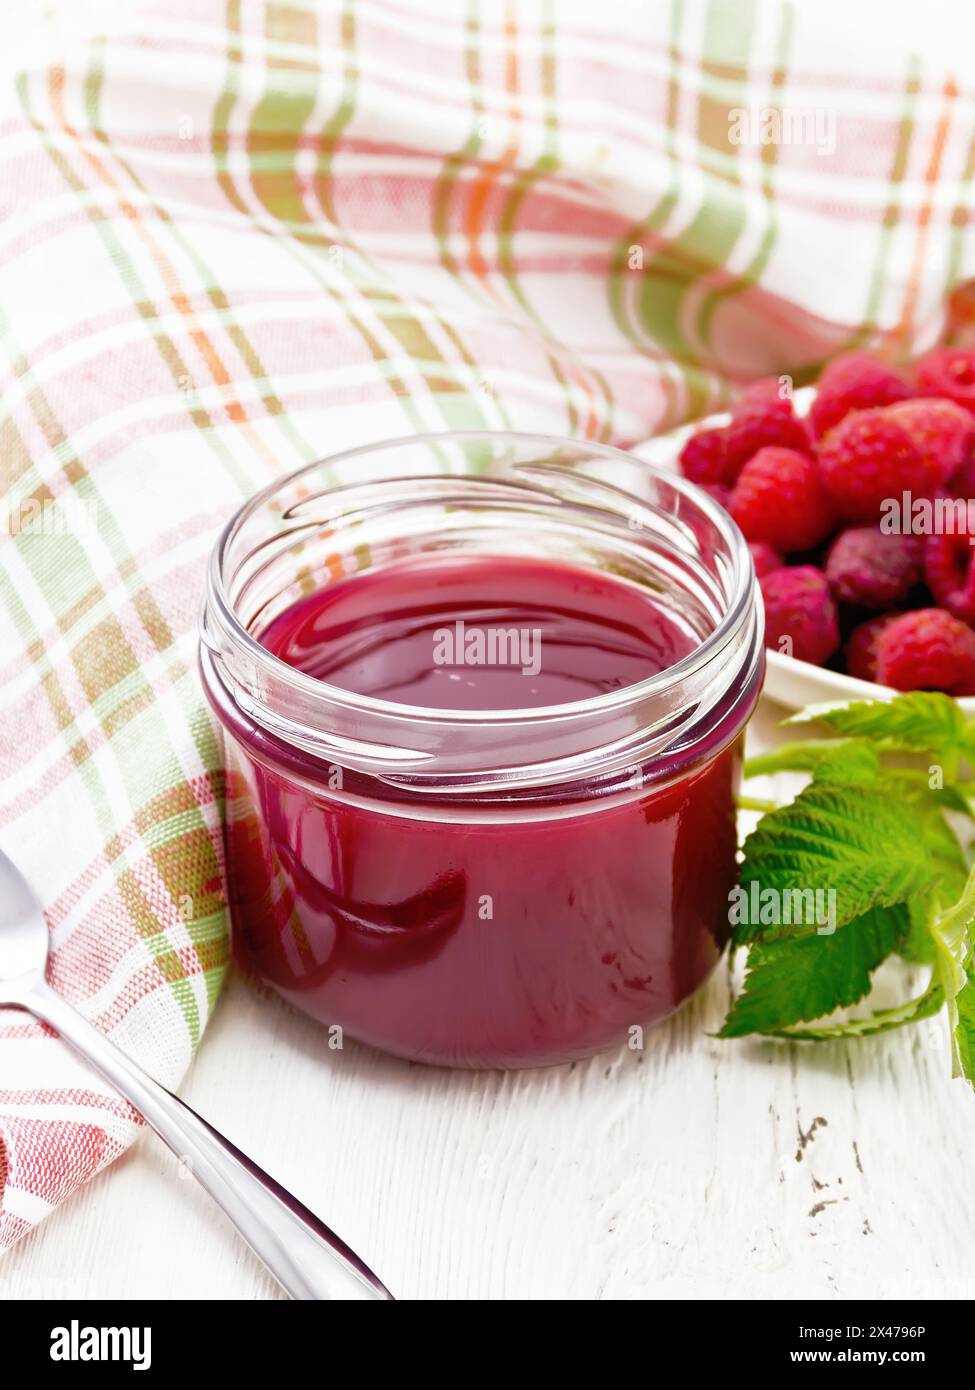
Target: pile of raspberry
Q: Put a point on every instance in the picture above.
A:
(850, 581)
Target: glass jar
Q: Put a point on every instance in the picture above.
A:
(483, 888)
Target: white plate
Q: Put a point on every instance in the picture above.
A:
(791, 682)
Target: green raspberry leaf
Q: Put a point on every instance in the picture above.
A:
(850, 760)
(922, 721)
(949, 865)
(855, 842)
(911, 782)
(954, 940)
(965, 1025)
(800, 980)
(918, 945)
(872, 841)
(880, 1021)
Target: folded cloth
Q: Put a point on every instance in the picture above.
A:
(237, 236)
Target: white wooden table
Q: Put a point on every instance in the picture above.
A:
(696, 1169)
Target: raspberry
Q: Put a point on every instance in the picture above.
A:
(948, 372)
(853, 381)
(761, 418)
(961, 308)
(800, 615)
(871, 568)
(764, 558)
(963, 483)
(941, 431)
(927, 650)
(949, 571)
(720, 493)
(861, 647)
(779, 498)
(703, 458)
(869, 457)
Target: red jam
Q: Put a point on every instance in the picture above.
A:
(474, 929)
(393, 634)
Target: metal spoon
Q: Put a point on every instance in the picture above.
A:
(305, 1257)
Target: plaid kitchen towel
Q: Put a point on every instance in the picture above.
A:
(238, 234)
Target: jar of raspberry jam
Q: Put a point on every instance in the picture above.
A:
(483, 698)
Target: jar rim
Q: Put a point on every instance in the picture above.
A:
(447, 750)
(700, 655)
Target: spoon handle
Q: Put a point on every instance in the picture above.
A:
(306, 1258)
